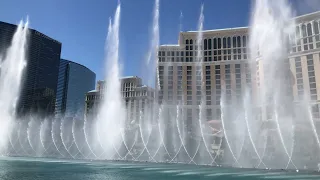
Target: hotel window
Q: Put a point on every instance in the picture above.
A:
(299, 77)
(229, 42)
(312, 80)
(239, 41)
(219, 43)
(307, 41)
(316, 32)
(298, 36)
(244, 41)
(224, 43)
(310, 38)
(210, 44)
(205, 44)
(234, 42)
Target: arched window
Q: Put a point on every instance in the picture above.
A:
(234, 42)
(298, 32)
(191, 41)
(309, 29)
(187, 41)
(205, 44)
(239, 41)
(316, 27)
(316, 32)
(244, 41)
(219, 43)
(214, 43)
(229, 42)
(209, 44)
(304, 31)
(310, 38)
(224, 43)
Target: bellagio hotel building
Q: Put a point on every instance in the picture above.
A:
(226, 68)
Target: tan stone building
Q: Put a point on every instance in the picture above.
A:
(226, 68)
(136, 97)
(305, 62)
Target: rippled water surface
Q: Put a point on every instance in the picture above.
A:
(49, 169)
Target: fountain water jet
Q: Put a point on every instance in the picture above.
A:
(202, 105)
(314, 130)
(111, 113)
(86, 137)
(248, 108)
(222, 105)
(110, 136)
(271, 27)
(62, 138)
(53, 139)
(12, 67)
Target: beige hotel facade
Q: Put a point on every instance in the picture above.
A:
(226, 68)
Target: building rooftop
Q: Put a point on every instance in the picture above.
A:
(77, 64)
(301, 17)
(170, 45)
(216, 30)
(129, 77)
(35, 31)
(93, 91)
(297, 18)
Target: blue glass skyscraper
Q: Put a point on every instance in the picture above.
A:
(74, 81)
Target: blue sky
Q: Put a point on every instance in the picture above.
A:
(81, 25)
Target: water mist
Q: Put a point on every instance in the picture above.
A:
(13, 63)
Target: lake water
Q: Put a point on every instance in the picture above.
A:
(53, 169)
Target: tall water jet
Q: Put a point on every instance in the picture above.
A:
(152, 52)
(12, 66)
(152, 64)
(201, 82)
(180, 21)
(111, 115)
(271, 27)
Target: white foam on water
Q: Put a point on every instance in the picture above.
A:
(190, 173)
(132, 167)
(152, 169)
(222, 174)
(172, 171)
(291, 176)
(260, 174)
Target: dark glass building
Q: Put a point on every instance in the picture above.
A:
(75, 80)
(38, 93)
